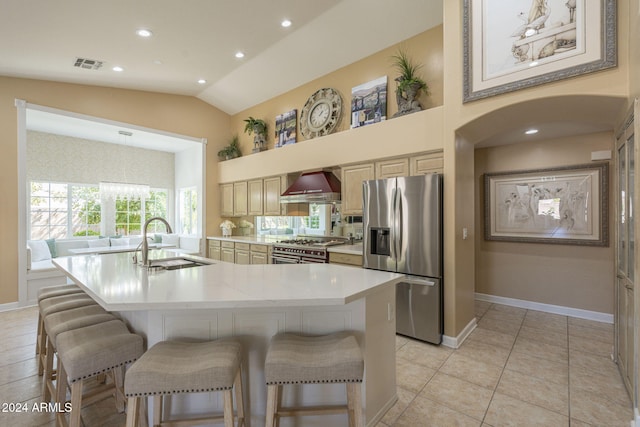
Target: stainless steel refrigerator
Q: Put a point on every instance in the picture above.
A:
(402, 224)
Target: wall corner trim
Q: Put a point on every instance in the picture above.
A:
(456, 342)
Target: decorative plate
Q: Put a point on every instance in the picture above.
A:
(321, 113)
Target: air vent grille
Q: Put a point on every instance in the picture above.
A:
(88, 64)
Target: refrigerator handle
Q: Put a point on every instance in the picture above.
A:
(399, 222)
(396, 224)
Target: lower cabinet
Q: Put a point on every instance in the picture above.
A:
(345, 259)
(214, 250)
(239, 253)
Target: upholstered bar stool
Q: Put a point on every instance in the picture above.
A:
(63, 321)
(172, 367)
(55, 305)
(296, 359)
(50, 292)
(87, 352)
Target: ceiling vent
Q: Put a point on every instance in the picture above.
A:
(88, 64)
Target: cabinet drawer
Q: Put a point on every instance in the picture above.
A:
(260, 248)
(338, 258)
(242, 246)
(214, 243)
(229, 245)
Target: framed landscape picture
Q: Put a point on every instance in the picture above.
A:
(515, 44)
(369, 102)
(566, 205)
(285, 132)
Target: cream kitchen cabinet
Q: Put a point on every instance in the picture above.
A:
(352, 177)
(255, 197)
(214, 249)
(345, 259)
(242, 253)
(426, 163)
(272, 188)
(260, 254)
(226, 199)
(392, 168)
(240, 206)
(227, 252)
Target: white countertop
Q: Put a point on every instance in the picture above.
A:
(347, 249)
(119, 285)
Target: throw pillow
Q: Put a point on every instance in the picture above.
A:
(39, 250)
(120, 241)
(98, 243)
(52, 247)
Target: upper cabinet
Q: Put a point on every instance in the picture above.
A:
(226, 199)
(272, 189)
(240, 206)
(255, 197)
(426, 163)
(352, 177)
(392, 168)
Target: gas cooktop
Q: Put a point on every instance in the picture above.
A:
(312, 241)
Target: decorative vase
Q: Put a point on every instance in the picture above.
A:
(407, 102)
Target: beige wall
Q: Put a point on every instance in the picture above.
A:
(634, 49)
(178, 114)
(571, 276)
(425, 48)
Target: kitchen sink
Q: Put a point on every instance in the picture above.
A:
(176, 263)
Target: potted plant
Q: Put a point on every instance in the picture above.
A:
(409, 85)
(259, 128)
(231, 151)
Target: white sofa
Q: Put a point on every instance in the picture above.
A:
(41, 271)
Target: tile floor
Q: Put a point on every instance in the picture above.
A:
(518, 368)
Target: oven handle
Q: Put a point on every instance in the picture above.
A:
(284, 259)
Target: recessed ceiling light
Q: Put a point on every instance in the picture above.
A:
(202, 81)
(239, 55)
(531, 131)
(143, 32)
(118, 68)
(285, 23)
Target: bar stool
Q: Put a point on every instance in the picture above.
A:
(88, 352)
(57, 323)
(49, 292)
(296, 359)
(54, 305)
(172, 367)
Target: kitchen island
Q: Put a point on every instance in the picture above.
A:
(252, 303)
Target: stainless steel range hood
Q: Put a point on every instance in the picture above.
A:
(313, 187)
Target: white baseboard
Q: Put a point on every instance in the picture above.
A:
(455, 342)
(10, 306)
(548, 308)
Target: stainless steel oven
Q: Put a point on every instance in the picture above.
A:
(303, 250)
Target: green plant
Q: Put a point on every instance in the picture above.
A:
(258, 126)
(408, 72)
(232, 150)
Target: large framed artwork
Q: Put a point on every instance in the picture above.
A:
(285, 132)
(565, 205)
(515, 44)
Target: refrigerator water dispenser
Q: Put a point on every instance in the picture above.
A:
(380, 241)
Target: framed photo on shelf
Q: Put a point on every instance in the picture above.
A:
(369, 102)
(285, 131)
(565, 205)
(516, 44)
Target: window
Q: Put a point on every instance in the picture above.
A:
(188, 210)
(49, 210)
(156, 205)
(64, 210)
(315, 223)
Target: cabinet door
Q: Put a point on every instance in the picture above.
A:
(242, 257)
(226, 199)
(228, 254)
(352, 177)
(240, 198)
(255, 197)
(426, 163)
(392, 168)
(272, 196)
(214, 253)
(259, 258)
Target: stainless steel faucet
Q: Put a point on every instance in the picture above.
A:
(145, 243)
